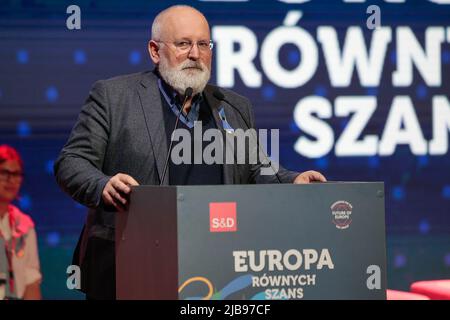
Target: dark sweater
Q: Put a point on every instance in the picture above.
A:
(192, 174)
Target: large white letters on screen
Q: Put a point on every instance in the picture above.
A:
(402, 127)
(241, 60)
(402, 114)
(410, 52)
(354, 55)
(441, 125)
(348, 143)
(305, 120)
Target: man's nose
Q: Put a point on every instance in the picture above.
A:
(194, 53)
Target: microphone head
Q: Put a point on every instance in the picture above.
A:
(219, 95)
(188, 92)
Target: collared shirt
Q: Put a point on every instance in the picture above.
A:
(25, 261)
(4, 227)
(171, 98)
(200, 117)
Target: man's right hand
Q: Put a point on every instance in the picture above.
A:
(117, 190)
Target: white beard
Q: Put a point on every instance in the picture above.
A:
(180, 78)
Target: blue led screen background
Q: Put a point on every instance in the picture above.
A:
(46, 72)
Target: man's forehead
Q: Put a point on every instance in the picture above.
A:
(184, 24)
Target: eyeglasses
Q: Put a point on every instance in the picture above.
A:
(6, 175)
(185, 46)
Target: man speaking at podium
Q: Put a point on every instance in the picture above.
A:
(123, 138)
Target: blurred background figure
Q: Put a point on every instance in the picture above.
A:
(20, 275)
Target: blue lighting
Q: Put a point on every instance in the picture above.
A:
(447, 259)
(424, 226)
(294, 57)
(52, 94)
(79, 205)
(25, 202)
(393, 57)
(322, 163)
(398, 193)
(421, 91)
(343, 123)
(320, 91)
(79, 57)
(268, 92)
(374, 162)
(446, 57)
(53, 238)
(446, 192)
(22, 56)
(399, 261)
(423, 161)
(372, 91)
(134, 57)
(49, 166)
(293, 126)
(23, 129)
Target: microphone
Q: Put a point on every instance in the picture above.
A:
(220, 96)
(187, 94)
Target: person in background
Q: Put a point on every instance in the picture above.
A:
(20, 276)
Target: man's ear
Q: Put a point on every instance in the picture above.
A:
(153, 50)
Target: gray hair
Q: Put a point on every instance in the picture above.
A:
(156, 26)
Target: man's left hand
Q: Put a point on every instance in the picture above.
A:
(309, 176)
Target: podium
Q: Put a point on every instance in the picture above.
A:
(253, 242)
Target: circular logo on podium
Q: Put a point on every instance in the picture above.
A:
(341, 211)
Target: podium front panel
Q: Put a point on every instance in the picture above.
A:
(315, 241)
